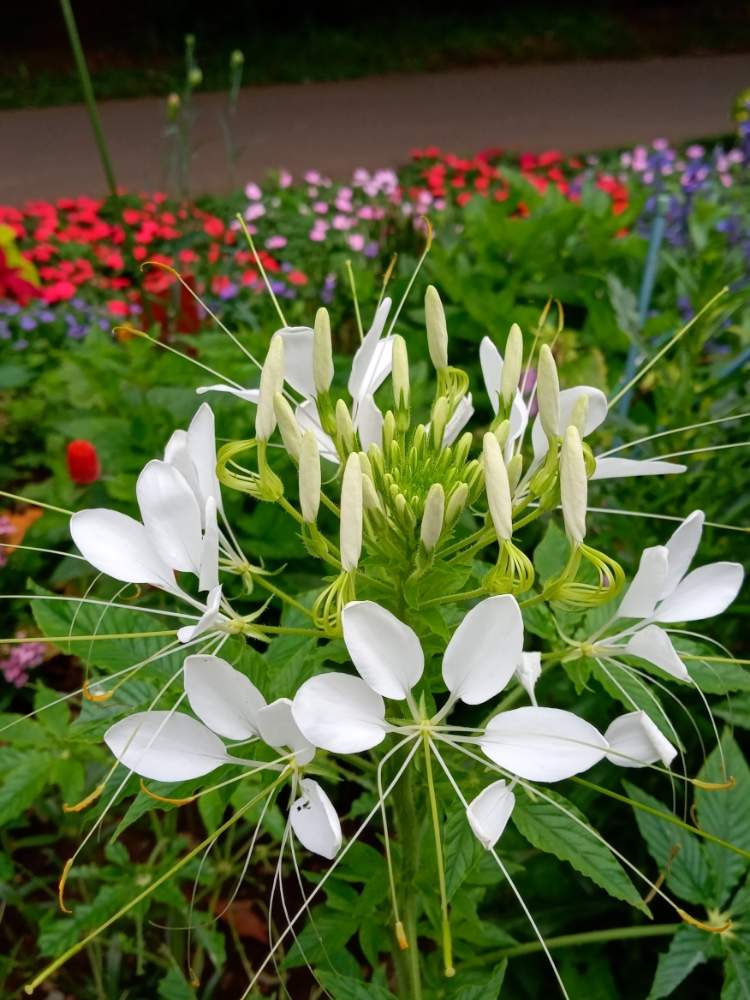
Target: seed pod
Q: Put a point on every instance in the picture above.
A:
(291, 435)
(432, 517)
(309, 477)
(512, 363)
(271, 382)
(498, 488)
(437, 331)
(548, 393)
(573, 485)
(351, 514)
(322, 352)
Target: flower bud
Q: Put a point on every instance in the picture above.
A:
(502, 432)
(236, 59)
(365, 464)
(400, 373)
(548, 393)
(580, 412)
(389, 431)
(440, 415)
(322, 352)
(432, 517)
(271, 382)
(462, 449)
(514, 468)
(288, 426)
(498, 489)
(370, 497)
(344, 427)
(511, 364)
(351, 514)
(173, 106)
(528, 671)
(309, 477)
(573, 485)
(437, 331)
(195, 76)
(83, 462)
(456, 503)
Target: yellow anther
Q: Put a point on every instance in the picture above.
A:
(89, 695)
(714, 786)
(165, 798)
(403, 941)
(84, 803)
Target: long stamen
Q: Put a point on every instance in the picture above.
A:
(37, 503)
(446, 927)
(259, 264)
(355, 298)
(185, 357)
(417, 269)
(674, 430)
(35, 548)
(660, 517)
(506, 874)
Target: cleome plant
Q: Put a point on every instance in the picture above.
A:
(431, 627)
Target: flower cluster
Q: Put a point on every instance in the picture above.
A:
(411, 519)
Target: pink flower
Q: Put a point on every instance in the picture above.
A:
(313, 177)
(275, 242)
(342, 222)
(317, 235)
(253, 192)
(356, 242)
(320, 207)
(254, 211)
(285, 179)
(20, 660)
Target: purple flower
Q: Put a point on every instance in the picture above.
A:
(21, 344)
(371, 249)
(16, 665)
(47, 316)
(313, 177)
(27, 322)
(228, 291)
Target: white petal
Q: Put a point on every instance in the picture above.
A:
(121, 547)
(210, 618)
(248, 395)
(595, 415)
(177, 453)
(340, 713)
(519, 418)
(542, 744)
(171, 514)
(369, 423)
(682, 546)
(308, 418)
(484, 650)
(201, 439)
(705, 592)
(223, 698)
(314, 820)
(385, 651)
(278, 729)
(209, 560)
(634, 741)
(459, 419)
(373, 359)
(491, 361)
(298, 358)
(654, 645)
(489, 812)
(643, 594)
(528, 671)
(628, 468)
(165, 746)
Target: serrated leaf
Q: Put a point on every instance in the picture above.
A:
(174, 986)
(488, 988)
(62, 932)
(688, 949)
(676, 852)
(22, 786)
(725, 813)
(735, 711)
(462, 850)
(347, 988)
(736, 975)
(550, 830)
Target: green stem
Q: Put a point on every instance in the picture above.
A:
(409, 828)
(88, 94)
(466, 595)
(446, 926)
(669, 817)
(57, 639)
(575, 941)
(282, 594)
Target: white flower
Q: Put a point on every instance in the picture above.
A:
(489, 812)
(663, 591)
(635, 741)
(173, 746)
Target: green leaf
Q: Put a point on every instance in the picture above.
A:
(725, 813)
(735, 711)
(736, 974)
(550, 830)
(22, 785)
(61, 932)
(629, 690)
(552, 552)
(689, 948)
(486, 988)
(718, 678)
(347, 988)
(462, 850)
(676, 852)
(174, 986)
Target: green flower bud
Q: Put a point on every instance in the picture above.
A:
(195, 77)
(580, 412)
(288, 426)
(456, 503)
(309, 477)
(548, 393)
(515, 468)
(271, 382)
(370, 496)
(322, 352)
(573, 486)
(344, 427)
(437, 331)
(440, 417)
(236, 59)
(432, 517)
(389, 432)
(512, 363)
(400, 373)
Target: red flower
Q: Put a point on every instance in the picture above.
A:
(59, 291)
(118, 308)
(13, 285)
(214, 227)
(296, 278)
(83, 462)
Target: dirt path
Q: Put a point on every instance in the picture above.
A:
(375, 121)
